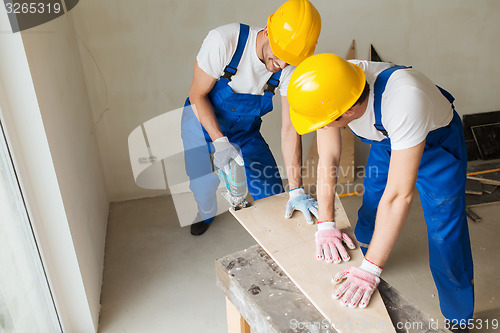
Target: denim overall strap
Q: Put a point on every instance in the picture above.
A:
(272, 84)
(232, 67)
(378, 90)
(225, 100)
(446, 94)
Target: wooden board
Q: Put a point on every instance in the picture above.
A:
(491, 178)
(478, 167)
(473, 186)
(487, 138)
(471, 215)
(290, 242)
(487, 188)
(485, 199)
(351, 53)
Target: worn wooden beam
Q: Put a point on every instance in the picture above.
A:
(473, 186)
(235, 322)
(268, 300)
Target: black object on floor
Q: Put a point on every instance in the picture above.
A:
(470, 120)
(487, 138)
(199, 228)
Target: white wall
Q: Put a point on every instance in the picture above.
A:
(47, 114)
(55, 66)
(138, 56)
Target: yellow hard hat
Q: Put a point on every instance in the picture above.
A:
(321, 89)
(294, 30)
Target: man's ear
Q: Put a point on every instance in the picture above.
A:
(265, 31)
(349, 112)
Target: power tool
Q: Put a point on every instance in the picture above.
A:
(235, 183)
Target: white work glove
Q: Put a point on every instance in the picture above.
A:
(358, 284)
(303, 202)
(329, 243)
(224, 152)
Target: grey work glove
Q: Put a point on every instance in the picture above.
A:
(303, 202)
(224, 152)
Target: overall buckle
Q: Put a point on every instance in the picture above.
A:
(271, 85)
(229, 72)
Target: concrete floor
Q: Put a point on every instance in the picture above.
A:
(159, 278)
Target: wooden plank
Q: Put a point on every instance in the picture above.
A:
(473, 216)
(473, 186)
(487, 138)
(491, 178)
(290, 242)
(478, 167)
(482, 200)
(351, 53)
(262, 293)
(235, 322)
(487, 188)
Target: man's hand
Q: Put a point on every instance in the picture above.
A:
(357, 284)
(303, 202)
(224, 152)
(329, 243)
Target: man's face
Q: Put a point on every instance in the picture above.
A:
(273, 63)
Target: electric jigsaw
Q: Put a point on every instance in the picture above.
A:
(235, 184)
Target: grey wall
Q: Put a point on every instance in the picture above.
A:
(138, 57)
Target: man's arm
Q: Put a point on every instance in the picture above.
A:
(395, 202)
(198, 95)
(328, 238)
(329, 150)
(291, 146)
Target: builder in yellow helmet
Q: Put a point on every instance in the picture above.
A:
(417, 141)
(236, 73)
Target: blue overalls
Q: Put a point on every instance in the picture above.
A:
(441, 185)
(239, 116)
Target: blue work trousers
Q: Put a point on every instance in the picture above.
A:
(441, 185)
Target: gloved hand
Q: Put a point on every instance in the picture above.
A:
(303, 202)
(359, 285)
(329, 242)
(224, 152)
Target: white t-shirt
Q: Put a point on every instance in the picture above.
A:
(412, 106)
(217, 51)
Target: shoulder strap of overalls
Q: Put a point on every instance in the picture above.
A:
(232, 67)
(272, 83)
(446, 94)
(378, 90)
